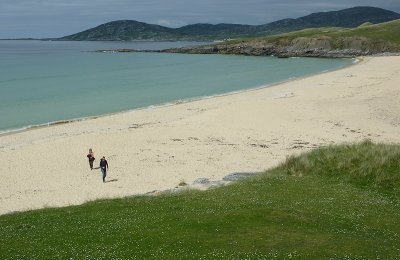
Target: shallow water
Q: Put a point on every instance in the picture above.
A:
(42, 82)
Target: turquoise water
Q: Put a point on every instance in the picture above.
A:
(43, 82)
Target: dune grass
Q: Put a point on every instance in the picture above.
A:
(337, 202)
(366, 164)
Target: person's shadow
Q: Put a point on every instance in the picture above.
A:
(96, 168)
(112, 180)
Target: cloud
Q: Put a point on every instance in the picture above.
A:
(169, 23)
(53, 18)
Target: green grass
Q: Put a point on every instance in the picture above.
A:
(345, 205)
(365, 165)
(377, 34)
(389, 31)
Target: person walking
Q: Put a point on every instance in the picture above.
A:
(91, 158)
(104, 167)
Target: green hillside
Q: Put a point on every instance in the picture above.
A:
(129, 30)
(367, 39)
(337, 202)
(389, 31)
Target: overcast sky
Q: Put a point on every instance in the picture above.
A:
(55, 18)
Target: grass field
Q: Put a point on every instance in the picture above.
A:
(379, 37)
(340, 202)
(388, 31)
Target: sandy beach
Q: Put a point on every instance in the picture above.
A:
(154, 149)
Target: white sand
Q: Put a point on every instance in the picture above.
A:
(155, 149)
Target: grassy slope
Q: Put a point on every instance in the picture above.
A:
(385, 32)
(389, 31)
(345, 205)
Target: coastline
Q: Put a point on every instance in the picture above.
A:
(153, 149)
(6, 132)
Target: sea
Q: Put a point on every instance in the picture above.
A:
(48, 82)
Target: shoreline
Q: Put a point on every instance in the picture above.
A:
(6, 132)
(154, 149)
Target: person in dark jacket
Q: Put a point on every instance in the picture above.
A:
(104, 167)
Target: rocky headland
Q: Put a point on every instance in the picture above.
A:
(298, 47)
(365, 40)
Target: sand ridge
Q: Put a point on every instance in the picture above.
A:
(157, 148)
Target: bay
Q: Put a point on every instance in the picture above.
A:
(43, 82)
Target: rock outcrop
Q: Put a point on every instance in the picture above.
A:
(298, 47)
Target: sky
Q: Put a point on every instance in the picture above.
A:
(56, 18)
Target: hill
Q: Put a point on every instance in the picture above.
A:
(338, 202)
(368, 39)
(124, 30)
(127, 30)
(347, 18)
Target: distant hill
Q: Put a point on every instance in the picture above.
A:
(127, 30)
(124, 30)
(347, 18)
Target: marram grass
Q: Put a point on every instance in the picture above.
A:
(365, 164)
(338, 202)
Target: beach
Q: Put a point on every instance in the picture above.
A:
(155, 149)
